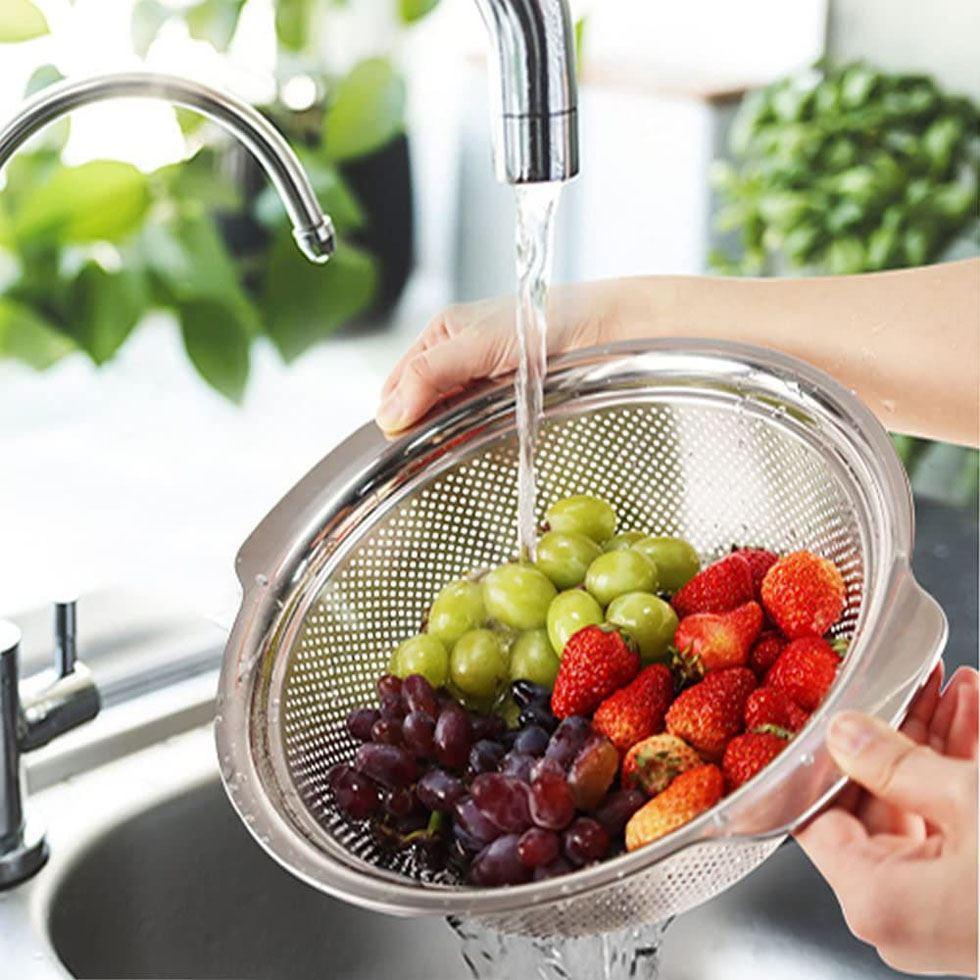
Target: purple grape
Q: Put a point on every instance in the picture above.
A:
(503, 799)
(387, 732)
(546, 765)
(568, 738)
(488, 727)
(517, 764)
(474, 823)
(389, 765)
(401, 803)
(392, 711)
(485, 756)
(389, 688)
(551, 803)
(499, 864)
(417, 732)
(617, 808)
(537, 847)
(437, 790)
(359, 723)
(539, 715)
(452, 737)
(585, 841)
(356, 795)
(419, 695)
(527, 692)
(560, 866)
(532, 741)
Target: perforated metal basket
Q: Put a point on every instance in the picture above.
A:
(721, 443)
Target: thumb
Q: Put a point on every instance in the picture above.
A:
(891, 766)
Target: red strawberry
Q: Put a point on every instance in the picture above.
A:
(804, 594)
(713, 641)
(691, 793)
(748, 754)
(770, 706)
(596, 662)
(760, 561)
(804, 671)
(764, 652)
(651, 765)
(709, 714)
(719, 587)
(637, 710)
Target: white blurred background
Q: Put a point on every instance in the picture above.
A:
(138, 476)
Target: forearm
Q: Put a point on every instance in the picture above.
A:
(908, 342)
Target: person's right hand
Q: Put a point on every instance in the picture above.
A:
(474, 341)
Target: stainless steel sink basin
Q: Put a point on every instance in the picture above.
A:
(152, 874)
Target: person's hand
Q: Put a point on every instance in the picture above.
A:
(474, 341)
(899, 849)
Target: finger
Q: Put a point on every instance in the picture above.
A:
(919, 718)
(893, 767)
(435, 373)
(961, 741)
(835, 841)
(436, 331)
(946, 711)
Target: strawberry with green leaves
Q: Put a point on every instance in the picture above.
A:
(803, 594)
(804, 671)
(771, 706)
(653, 764)
(596, 662)
(713, 641)
(748, 754)
(721, 586)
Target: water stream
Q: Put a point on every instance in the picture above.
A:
(536, 207)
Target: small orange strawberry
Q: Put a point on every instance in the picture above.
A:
(651, 765)
(721, 586)
(760, 561)
(637, 710)
(709, 714)
(804, 671)
(747, 754)
(691, 793)
(714, 641)
(771, 706)
(804, 594)
(597, 661)
(765, 651)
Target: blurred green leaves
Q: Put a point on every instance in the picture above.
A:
(20, 20)
(412, 10)
(848, 169)
(366, 112)
(26, 336)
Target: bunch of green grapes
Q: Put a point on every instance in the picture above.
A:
(513, 623)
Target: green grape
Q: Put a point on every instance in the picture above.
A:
(647, 620)
(533, 659)
(677, 562)
(510, 712)
(583, 515)
(565, 558)
(425, 655)
(457, 609)
(518, 596)
(570, 612)
(621, 542)
(616, 572)
(478, 664)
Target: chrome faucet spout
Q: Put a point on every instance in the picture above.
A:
(312, 229)
(535, 115)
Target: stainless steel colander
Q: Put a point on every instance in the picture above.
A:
(721, 443)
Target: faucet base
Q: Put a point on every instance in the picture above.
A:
(26, 859)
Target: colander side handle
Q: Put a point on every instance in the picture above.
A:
(893, 666)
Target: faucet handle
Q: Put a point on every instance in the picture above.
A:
(10, 637)
(65, 633)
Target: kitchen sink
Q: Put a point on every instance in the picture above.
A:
(153, 875)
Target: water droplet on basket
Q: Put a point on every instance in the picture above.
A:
(261, 580)
(806, 759)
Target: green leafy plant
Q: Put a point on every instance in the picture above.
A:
(97, 247)
(847, 169)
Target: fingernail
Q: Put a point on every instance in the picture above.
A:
(849, 733)
(391, 415)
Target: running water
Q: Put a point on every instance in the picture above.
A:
(536, 206)
(632, 954)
